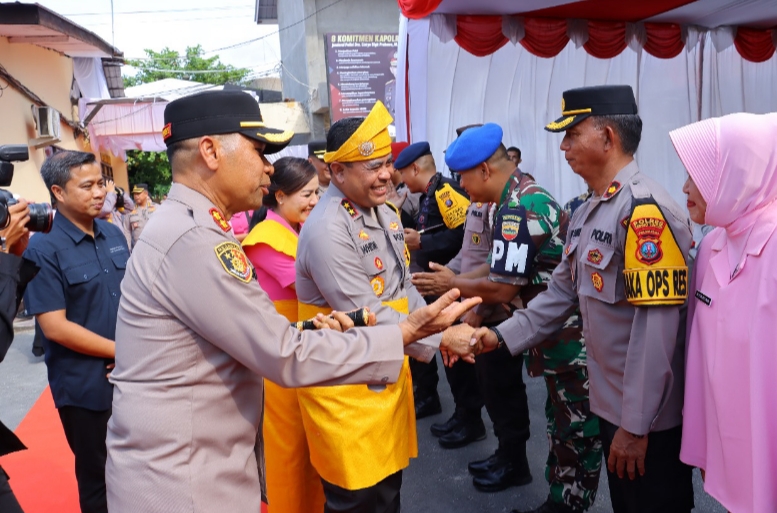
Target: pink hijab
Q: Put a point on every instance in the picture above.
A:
(733, 162)
(729, 415)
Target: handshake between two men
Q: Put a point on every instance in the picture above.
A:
(459, 341)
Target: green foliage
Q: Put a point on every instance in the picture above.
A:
(151, 167)
(183, 65)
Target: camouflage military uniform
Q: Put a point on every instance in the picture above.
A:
(529, 234)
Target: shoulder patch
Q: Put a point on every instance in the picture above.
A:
(349, 208)
(655, 269)
(234, 261)
(453, 206)
(218, 217)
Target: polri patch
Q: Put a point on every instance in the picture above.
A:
(218, 217)
(598, 281)
(377, 285)
(703, 298)
(363, 235)
(394, 226)
(349, 208)
(234, 261)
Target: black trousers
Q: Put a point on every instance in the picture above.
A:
(463, 380)
(667, 485)
(382, 497)
(425, 378)
(8, 502)
(85, 431)
(500, 379)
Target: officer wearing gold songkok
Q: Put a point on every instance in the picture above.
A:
(351, 253)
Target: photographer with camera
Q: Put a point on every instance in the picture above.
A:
(15, 272)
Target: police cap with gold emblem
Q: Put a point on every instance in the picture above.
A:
(220, 112)
(579, 104)
(139, 187)
(317, 149)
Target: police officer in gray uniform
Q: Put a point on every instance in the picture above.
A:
(625, 266)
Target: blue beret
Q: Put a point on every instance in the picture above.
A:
(412, 153)
(473, 147)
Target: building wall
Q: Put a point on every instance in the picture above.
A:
(306, 59)
(49, 75)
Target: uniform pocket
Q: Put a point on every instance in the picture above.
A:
(599, 273)
(82, 273)
(120, 260)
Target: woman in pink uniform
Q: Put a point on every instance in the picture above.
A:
(730, 413)
(293, 485)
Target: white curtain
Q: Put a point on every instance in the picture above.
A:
(522, 93)
(90, 77)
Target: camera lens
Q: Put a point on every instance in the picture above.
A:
(41, 217)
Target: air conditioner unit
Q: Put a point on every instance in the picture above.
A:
(47, 126)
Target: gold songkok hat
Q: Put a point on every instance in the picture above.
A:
(370, 141)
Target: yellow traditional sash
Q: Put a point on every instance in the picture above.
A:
(453, 206)
(655, 270)
(358, 436)
(275, 235)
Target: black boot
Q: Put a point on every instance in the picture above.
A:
(550, 506)
(508, 470)
(480, 467)
(427, 406)
(459, 417)
(467, 431)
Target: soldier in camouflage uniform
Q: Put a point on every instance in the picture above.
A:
(528, 240)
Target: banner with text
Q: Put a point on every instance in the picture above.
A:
(361, 69)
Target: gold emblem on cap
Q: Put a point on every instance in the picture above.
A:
(367, 148)
(563, 104)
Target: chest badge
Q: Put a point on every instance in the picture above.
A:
(218, 218)
(234, 261)
(363, 235)
(394, 226)
(476, 239)
(597, 281)
(377, 285)
(595, 256)
(704, 298)
(378, 264)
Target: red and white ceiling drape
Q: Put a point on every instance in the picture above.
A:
(459, 70)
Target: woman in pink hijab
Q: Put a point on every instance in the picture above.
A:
(730, 413)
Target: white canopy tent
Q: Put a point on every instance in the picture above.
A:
(447, 87)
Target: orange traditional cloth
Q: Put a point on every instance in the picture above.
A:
(293, 485)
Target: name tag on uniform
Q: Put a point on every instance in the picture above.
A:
(703, 298)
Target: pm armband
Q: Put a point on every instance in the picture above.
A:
(655, 271)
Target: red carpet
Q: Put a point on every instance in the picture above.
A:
(43, 477)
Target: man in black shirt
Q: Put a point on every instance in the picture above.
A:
(75, 299)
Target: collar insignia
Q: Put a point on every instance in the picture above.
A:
(218, 217)
(349, 208)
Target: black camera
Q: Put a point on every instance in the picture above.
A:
(41, 214)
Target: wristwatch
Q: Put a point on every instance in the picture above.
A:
(500, 339)
(3, 244)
